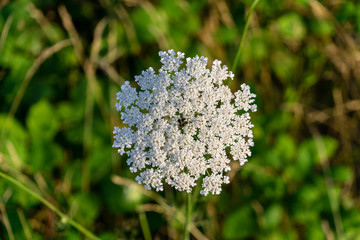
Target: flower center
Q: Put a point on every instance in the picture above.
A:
(182, 122)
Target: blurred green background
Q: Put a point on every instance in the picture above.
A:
(62, 62)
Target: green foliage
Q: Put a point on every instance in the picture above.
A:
(85, 207)
(15, 143)
(284, 65)
(291, 27)
(240, 224)
(57, 114)
(42, 122)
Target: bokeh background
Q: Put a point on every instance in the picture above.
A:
(62, 62)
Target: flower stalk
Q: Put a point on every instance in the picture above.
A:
(64, 218)
(188, 216)
(238, 53)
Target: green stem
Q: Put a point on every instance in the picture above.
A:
(63, 217)
(144, 225)
(188, 217)
(238, 53)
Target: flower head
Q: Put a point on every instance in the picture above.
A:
(184, 124)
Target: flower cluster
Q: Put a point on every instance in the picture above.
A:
(184, 124)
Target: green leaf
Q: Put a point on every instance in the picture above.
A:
(255, 48)
(279, 121)
(142, 23)
(291, 26)
(272, 216)
(173, 7)
(69, 112)
(53, 32)
(309, 80)
(18, 195)
(100, 159)
(284, 65)
(275, 188)
(44, 155)
(14, 146)
(304, 3)
(85, 207)
(315, 231)
(331, 145)
(73, 235)
(285, 146)
(75, 134)
(226, 35)
(351, 224)
(348, 9)
(342, 174)
(42, 121)
(279, 234)
(305, 157)
(312, 200)
(68, 57)
(240, 223)
(108, 236)
(258, 45)
(291, 95)
(121, 199)
(322, 27)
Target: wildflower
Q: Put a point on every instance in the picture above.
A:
(184, 124)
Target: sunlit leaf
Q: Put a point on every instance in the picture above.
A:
(15, 146)
(291, 26)
(85, 207)
(42, 121)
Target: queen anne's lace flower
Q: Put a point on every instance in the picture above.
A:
(184, 124)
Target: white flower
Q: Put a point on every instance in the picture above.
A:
(184, 124)
(126, 96)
